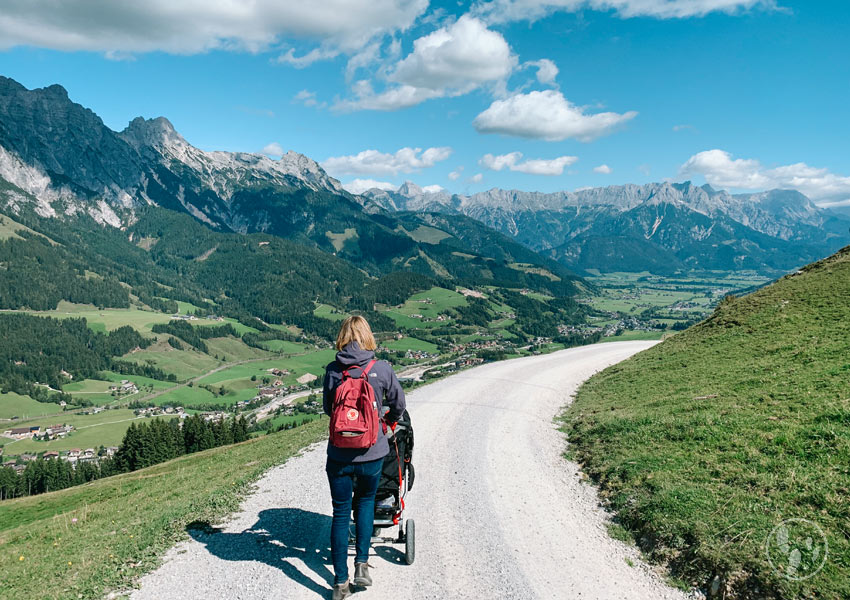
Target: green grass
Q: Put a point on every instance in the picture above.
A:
(338, 240)
(287, 419)
(9, 228)
(107, 319)
(313, 362)
(239, 327)
(326, 311)
(411, 343)
(187, 396)
(184, 364)
(429, 235)
(127, 522)
(234, 349)
(15, 405)
(429, 304)
(284, 346)
(636, 335)
(705, 443)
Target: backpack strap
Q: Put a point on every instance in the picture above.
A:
(365, 369)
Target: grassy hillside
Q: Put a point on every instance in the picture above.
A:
(707, 442)
(85, 541)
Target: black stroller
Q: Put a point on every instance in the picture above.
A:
(396, 478)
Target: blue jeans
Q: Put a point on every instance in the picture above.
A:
(341, 477)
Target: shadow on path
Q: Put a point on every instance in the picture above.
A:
(278, 536)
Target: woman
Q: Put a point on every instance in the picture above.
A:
(355, 473)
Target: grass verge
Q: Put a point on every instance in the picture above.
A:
(705, 445)
(84, 541)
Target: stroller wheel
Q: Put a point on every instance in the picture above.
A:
(410, 542)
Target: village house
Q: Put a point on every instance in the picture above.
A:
(111, 450)
(28, 457)
(126, 387)
(49, 455)
(278, 372)
(21, 433)
(74, 453)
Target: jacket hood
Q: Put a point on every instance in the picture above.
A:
(353, 354)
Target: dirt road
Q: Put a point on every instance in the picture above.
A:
(499, 513)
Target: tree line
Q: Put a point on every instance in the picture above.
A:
(37, 349)
(144, 445)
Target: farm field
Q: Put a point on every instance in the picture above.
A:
(329, 312)
(313, 362)
(106, 428)
(231, 349)
(184, 364)
(411, 343)
(429, 304)
(284, 347)
(239, 327)
(188, 396)
(106, 319)
(15, 405)
(672, 299)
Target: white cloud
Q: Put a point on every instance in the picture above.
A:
(684, 127)
(358, 186)
(432, 189)
(193, 26)
(546, 115)
(459, 58)
(721, 170)
(274, 150)
(604, 169)
(546, 70)
(455, 175)
(476, 178)
(307, 98)
(536, 166)
(503, 11)
(451, 61)
(373, 162)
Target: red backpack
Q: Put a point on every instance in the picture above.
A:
(354, 418)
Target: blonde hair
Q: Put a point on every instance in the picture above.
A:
(355, 329)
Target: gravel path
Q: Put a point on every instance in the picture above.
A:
(499, 512)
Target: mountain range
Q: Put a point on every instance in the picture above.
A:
(659, 227)
(58, 159)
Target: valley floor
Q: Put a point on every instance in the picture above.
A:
(499, 512)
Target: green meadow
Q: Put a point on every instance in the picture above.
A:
(15, 405)
(89, 540)
(706, 443)
(106, 428)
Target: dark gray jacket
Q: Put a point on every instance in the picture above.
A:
(387, 392)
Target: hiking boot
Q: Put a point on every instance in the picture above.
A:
(361, 574)
(341, 591)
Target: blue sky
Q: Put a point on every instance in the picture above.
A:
(525, 94)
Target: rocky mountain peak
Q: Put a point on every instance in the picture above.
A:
(154, 133)
(410, 189)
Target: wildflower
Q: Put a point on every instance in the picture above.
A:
(21, 558)
(74, 520)
(69, 563)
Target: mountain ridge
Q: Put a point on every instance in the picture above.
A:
(784, 221)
